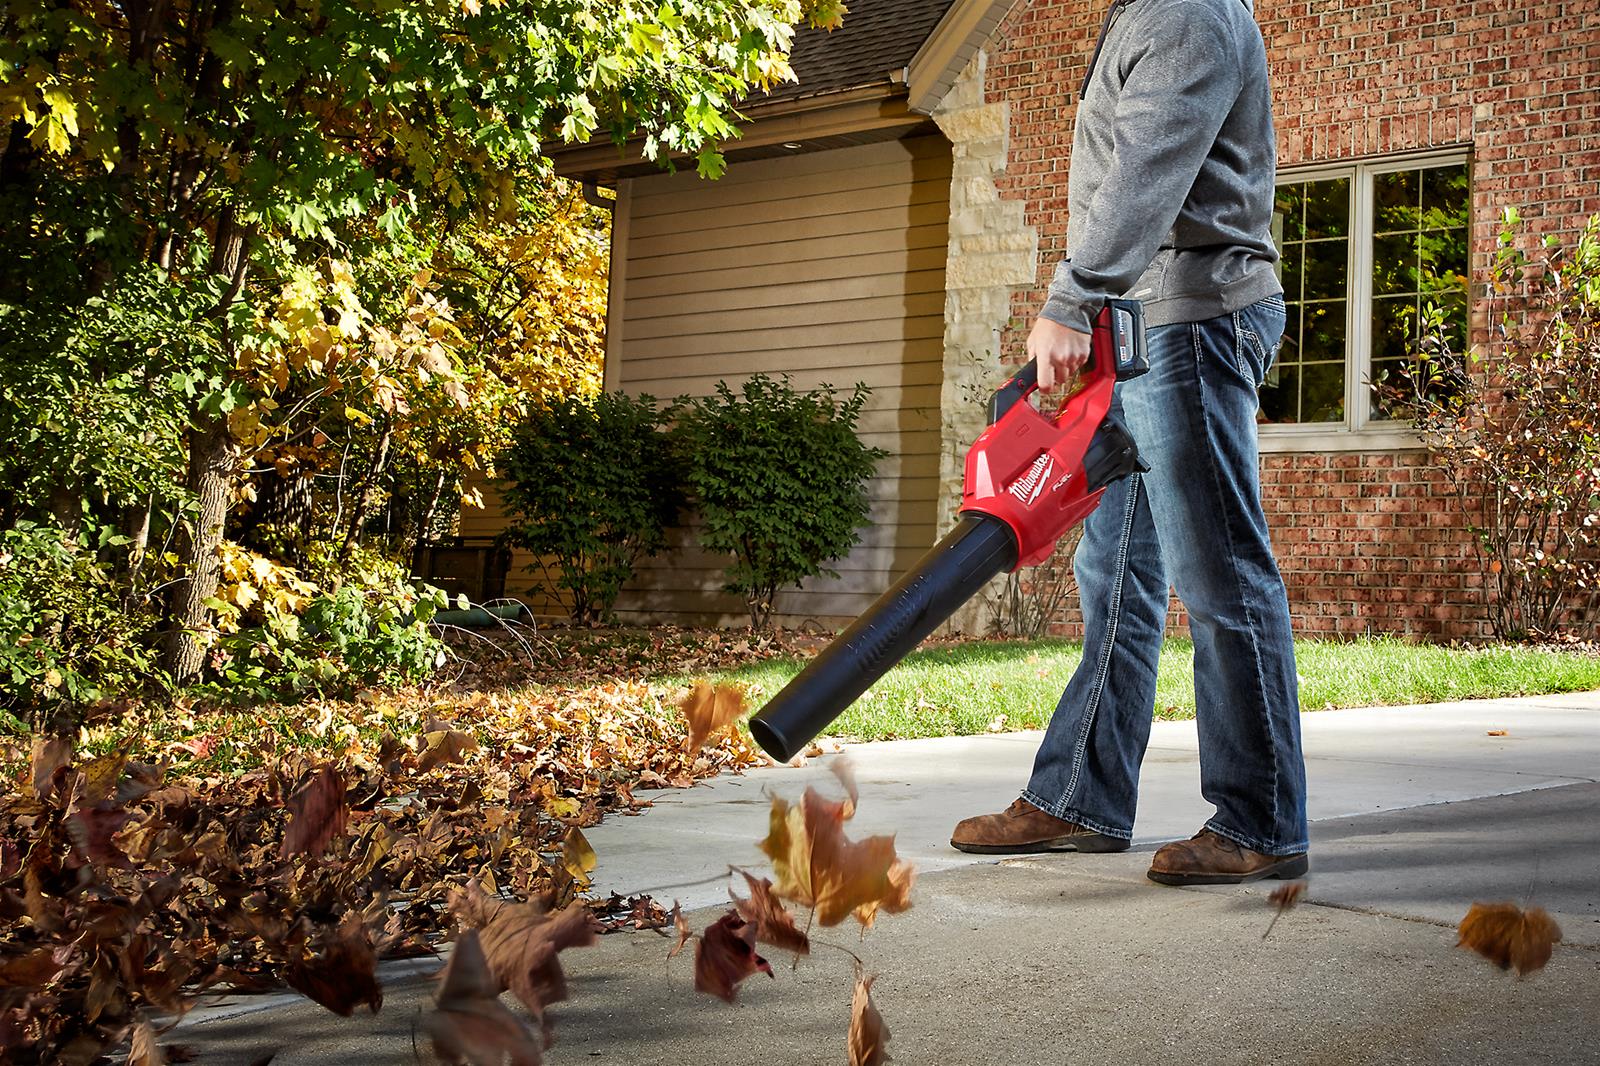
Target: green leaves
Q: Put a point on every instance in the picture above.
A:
(780, 477)
(593, 485)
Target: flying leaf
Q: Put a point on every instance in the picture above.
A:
(471, 1026)
(318, 812)
(681, 925)
(49, 755)
(818, 866)
(868, 1034)
(344, 975)
(774, 924)
(726, 955)
(1510, 937)
(91, 829)
(100, 776)
(1284, 897)
(145, 1051)
(521, 943)
(845, 770)
(709, 708)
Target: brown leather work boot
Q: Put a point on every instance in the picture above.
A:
(1210, 859)
(1023, 828)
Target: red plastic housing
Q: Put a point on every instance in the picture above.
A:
(1027, 469)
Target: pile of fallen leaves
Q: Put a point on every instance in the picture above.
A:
(133, 878)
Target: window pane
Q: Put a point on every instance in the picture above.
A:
(1394, 324)
(1325, 269)
(1443, 259)
(1322, 335)
(1444, 197)
(1394, 264)
(1311, 226)
(1396, 198)
(1327, 208)
(1432, 260)
(1322, 392)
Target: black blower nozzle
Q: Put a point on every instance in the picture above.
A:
(952, 572)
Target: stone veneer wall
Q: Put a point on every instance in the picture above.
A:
(993, 254)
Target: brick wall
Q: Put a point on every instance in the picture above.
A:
(1367, 541)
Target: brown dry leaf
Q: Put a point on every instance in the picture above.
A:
(441, 746)
(145, 1051)
(344, 975)
(726, 955)
(49, 755)
(774, 924)
(868, 1034)
(1497, 733)
(818, 866)
(91, 829)
(100, 776)
(319, 813)
(1284, 897)
(681, 925)
(901, 877)
(845, 771)
(709, 708)
(522, 943)
(577, 855)
(471, 1026)
(1510, 937)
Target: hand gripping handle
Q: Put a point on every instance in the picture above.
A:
(1119, 328)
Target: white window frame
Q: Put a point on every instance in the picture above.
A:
(1358, 432)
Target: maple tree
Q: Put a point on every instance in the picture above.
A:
(252, 186)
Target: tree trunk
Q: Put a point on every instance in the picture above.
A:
(211, 463)
(361, 508)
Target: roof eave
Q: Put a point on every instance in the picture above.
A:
(965, 28)
(869, 108)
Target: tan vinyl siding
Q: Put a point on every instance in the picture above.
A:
(828, 267)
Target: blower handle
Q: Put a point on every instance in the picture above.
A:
(1123, 324)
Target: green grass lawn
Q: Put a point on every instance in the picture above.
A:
(965, 688)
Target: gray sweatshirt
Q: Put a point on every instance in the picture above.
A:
(1171, 189)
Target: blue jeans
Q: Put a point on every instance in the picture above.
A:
(1195, 520)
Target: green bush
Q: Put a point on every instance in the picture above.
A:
(592, 487)
(781, 480)
(67, 638)
(1516, 430)
(364, 623)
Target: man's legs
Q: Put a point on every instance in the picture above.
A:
(1193, 416)
(1087, 768)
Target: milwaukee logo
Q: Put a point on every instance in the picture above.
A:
(1027, 487)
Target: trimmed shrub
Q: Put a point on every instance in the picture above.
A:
(781, 480)
(592, 487)
(1517, 434)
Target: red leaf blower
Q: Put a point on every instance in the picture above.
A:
(1030, 478)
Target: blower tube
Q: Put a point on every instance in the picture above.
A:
(952, 572)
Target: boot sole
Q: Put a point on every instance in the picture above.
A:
(1088, 844)
(1289, 869)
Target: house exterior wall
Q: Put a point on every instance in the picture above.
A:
(1368, 536)
(828, 266)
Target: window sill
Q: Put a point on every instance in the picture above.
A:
(1276, 440)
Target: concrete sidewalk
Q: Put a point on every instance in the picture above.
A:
(1066, 959)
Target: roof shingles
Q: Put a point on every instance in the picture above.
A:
(877, 37)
